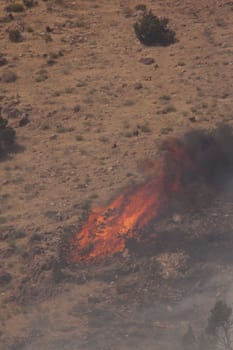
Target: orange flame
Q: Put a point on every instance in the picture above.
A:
(108, 228)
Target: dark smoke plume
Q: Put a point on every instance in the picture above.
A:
(202, 156)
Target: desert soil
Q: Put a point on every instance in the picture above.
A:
(88, 112)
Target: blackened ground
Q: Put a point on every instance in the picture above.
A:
(146, 298)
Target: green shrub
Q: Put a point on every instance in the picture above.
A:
(140, 7)
(15, 36)
(41, 75)
(8, 76)
(7, 136)
(151, 30)
(29, 3)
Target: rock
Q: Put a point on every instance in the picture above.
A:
(147, 60)
(81, 83)
(53, 137)
(51, 62)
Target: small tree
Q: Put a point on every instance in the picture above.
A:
(220, 324)
(217, 334)
(151, 30)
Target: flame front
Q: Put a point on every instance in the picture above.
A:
(108, 228)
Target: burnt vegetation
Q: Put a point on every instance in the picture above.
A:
(217, 334)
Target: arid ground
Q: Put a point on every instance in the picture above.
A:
(90, 104)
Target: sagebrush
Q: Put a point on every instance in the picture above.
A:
(7, 136)
(152, 30)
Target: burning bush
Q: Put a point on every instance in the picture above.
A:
(151, 30)
(199, 158)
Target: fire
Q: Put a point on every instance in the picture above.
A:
(107, 230)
